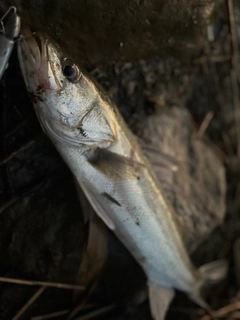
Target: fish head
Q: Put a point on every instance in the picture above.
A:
(70, 107)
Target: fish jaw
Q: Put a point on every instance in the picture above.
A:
(34, 62)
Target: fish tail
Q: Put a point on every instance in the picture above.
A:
(210, 274)
(160, 297)
(214, 272)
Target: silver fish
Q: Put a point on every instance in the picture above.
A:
(109, 165)
(9, 30)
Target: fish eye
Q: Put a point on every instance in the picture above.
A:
(71, 71)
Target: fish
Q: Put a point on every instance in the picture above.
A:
(10, 25)
(110, 167)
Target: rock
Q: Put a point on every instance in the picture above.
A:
(191, 174)
(236, 256)
(99, 31)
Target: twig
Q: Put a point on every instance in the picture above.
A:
(236, 315)
(227, 144)
(9, 204)
(80, 308)
(233, 33)
(227, 309)
(60, 313)
(19, 126)
(234, 79)
(236, 104)
(213, 59)
(190, 311)
(15, 153)
(96, 313)
(42, 283)
(51, 315)
(204, 124)
(206, 317)
(29, 303)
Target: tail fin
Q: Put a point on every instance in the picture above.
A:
(214, 272)
(160, 299)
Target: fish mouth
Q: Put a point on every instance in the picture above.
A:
(35, 45)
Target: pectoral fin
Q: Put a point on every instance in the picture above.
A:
(212, 273)
(160, 298)
(114, 165)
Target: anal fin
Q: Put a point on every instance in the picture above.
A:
(114, 165)
(160, 298)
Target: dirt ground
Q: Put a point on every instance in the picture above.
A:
(43, 234)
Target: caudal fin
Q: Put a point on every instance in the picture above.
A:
(160, 298)
(214, 272)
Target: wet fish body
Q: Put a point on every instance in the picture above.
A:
(109, 165)
(9, 30)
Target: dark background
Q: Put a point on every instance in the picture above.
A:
(150, 56)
